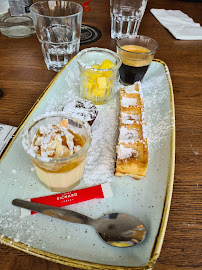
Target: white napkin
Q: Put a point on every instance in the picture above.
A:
(6, 133)
(179, 24)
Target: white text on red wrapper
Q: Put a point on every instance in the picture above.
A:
(67, 196)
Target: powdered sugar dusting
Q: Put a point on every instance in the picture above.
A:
(128, 135)
(130, 88)
(126, 102)
(126, 152)
(82, 109)
(101, 155)
(129, 118)
(157, 109)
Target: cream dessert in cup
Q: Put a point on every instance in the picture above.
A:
(57, 144)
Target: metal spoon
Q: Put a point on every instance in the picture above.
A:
(117, 229)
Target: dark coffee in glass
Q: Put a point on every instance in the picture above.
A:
(136, 54)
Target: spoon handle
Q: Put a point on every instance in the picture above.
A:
(52, 211)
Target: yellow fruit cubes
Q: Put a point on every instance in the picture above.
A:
(98, 83)
(106, 64)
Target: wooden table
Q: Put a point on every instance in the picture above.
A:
(23, 76)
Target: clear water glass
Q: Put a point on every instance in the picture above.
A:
(126, 16)
(58, 28)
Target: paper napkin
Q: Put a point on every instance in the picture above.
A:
(179, 24)
(6, 133)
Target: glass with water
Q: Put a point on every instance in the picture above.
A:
(58, 27)
(126, 16)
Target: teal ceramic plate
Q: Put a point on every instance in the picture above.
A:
(148, 199)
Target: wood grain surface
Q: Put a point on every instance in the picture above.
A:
(23, 77)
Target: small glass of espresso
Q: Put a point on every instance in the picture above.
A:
(136, 53)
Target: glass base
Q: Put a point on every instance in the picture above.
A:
(64, 189)
(123, 83)
(96, 101)
(17, 26)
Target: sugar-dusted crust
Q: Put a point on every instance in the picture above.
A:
(132, 148)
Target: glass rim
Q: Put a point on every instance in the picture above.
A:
(80, 54)
(25, 136)
(150, 52)
(48, 16)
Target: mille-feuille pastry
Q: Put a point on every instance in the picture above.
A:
(132, 148)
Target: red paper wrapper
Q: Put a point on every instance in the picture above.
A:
(62, 199)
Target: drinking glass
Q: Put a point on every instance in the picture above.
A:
(15, 19)
(126, 16)
(136, 53)
(58, 27)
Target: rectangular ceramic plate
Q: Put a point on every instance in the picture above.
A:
(148, 199)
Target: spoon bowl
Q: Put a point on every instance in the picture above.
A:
(120, 230)
(116, 229)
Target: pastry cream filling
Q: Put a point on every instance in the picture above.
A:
(60, 180)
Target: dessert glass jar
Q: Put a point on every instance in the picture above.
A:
(98, 68)
(57, 145)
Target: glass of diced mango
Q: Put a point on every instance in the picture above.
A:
(98, 68)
